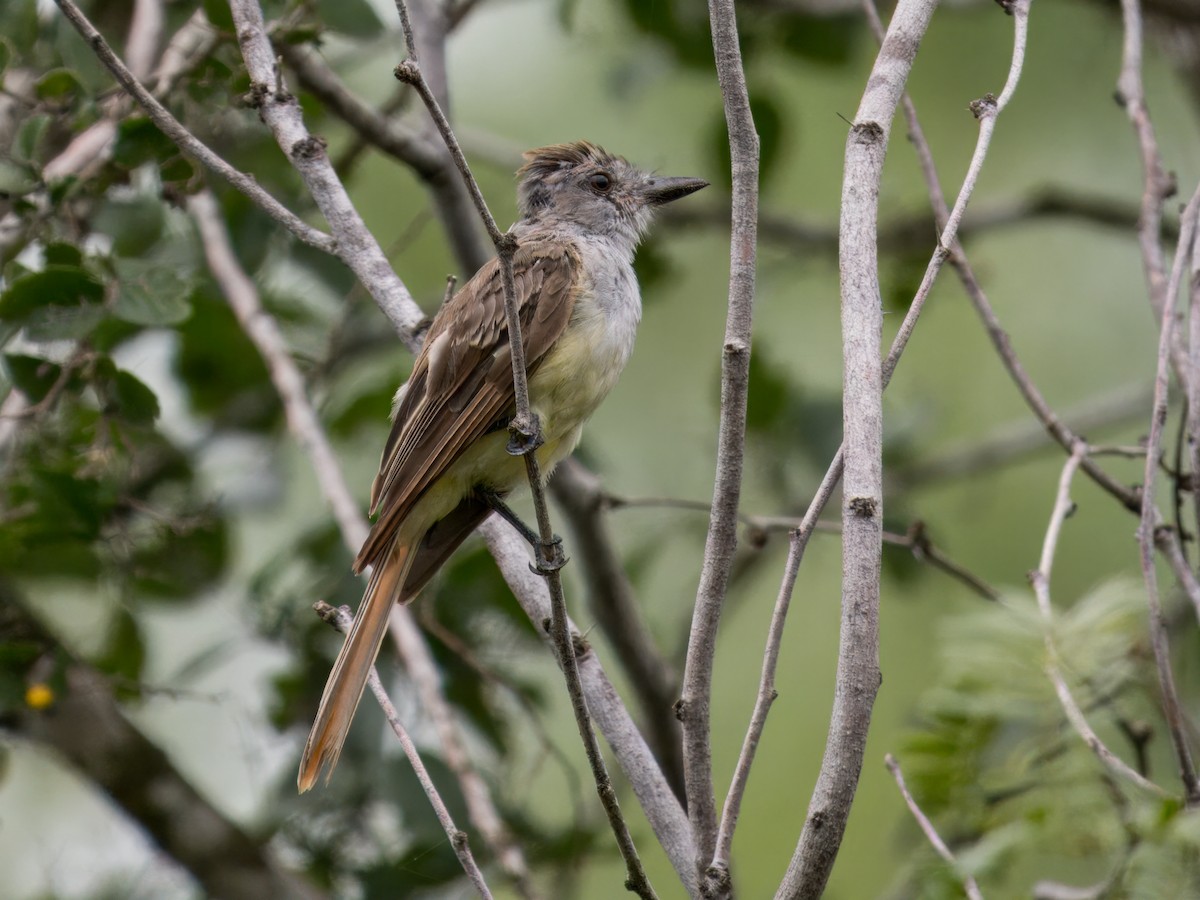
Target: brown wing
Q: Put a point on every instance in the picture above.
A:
(461, 385)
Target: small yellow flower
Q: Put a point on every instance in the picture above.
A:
(39, 695)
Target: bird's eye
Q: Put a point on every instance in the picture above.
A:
(600, 182)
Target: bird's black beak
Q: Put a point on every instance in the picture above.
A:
(663, 190)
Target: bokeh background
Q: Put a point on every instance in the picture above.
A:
(221, 671)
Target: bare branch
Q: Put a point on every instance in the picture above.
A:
(694, 706)
(1040, 579)
(186, 141)
(916, 540)
(1149, 515)
(969, 884)
(1157, 186)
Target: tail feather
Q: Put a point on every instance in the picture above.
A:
(348, 678)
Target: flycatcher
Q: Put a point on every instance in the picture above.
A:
(582, 213)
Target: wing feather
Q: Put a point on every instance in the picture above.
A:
(461, 384)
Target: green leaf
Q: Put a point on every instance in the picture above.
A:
(55, 285)
(356, 18)
(151, 293)
(32, 376)
(135, 223)
(139, 141)
(135, 402)
(60, 86)
(221, 369)
(183, 562)
(218, 14)
(124, 652)
(176, 169)
(64, 323)
(61, 253)
(29, 138)
(16, 180)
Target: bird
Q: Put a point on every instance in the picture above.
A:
(446, 464)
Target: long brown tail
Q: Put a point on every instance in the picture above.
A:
(346, 681)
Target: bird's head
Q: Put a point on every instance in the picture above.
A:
(582, 185)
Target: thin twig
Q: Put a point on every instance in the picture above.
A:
(306, 427)
(1157, 185)
(526, 438)
(342, 620)
(1191, 426)
(1172, 711)
(1040, 579)
(969, 883)
(916, 540)
(188, 142)
(693, 708)
(1169, 545)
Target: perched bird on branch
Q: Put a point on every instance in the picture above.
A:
(447, 463)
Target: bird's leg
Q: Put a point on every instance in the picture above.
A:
(548, 555)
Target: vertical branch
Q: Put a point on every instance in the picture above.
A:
(858, 654)
(1192, 384)
(694, 707)
(1146, 529)
(1156, 184)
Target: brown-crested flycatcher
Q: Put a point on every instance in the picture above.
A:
(583, 212)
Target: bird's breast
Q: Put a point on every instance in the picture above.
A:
(584, 364)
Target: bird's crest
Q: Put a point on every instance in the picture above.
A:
(545, 161)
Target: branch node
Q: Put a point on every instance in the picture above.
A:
(679, 708)
(506, 244)
(985, 106)
(408, 72)
(868, 132)
(1007, 6)
(311, 147)
(863, 507)
(257, 95)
